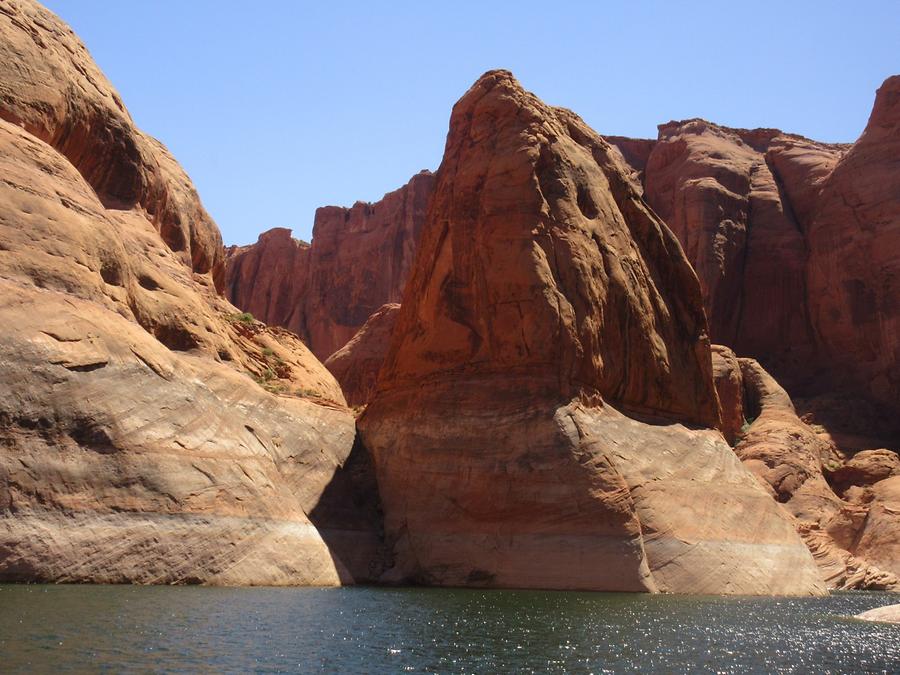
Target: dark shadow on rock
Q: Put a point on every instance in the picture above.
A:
(349, 519)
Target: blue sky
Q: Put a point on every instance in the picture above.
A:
(275, 108)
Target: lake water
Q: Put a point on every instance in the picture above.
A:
(195, 629)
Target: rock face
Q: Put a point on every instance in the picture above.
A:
(796, 247)
(52, 88)
(357, 363)
(359, 260)
(854, 247)
(730, 388)
(135, 445)
(720, 191)
(269, 278)
(854, 538)
(890, 614)
(531, 423)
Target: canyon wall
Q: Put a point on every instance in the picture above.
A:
(796, 246)
(359, 259)
(542, 417)
(149, 433)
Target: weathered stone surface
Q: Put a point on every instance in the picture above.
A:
(730, 388)
(865, 468)
(717, 189)
(135, 445)
(52, 88)
(359, 259)
(796, 246)
(890, 614)
(548, 314)
(854, 247)
(357, 363)
(269, 278)
(788, 455)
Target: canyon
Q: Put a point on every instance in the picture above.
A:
(149, 432)
(562, 360)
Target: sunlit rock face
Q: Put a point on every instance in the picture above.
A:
(846, 510)
(797, 248)
(148, 432)
(357, 364)
(359, 260)
(544, 414)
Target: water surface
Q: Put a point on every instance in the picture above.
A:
(169, 629)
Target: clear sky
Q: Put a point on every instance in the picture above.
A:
(277, 107)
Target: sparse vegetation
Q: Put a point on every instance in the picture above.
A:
(242, 317)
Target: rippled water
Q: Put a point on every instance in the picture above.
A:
(127, 628)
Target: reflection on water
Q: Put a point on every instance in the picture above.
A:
(128, 628)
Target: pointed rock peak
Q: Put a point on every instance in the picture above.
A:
(539, 255)
(886, 111)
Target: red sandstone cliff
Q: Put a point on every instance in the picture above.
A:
(547, 299)
(848, 511)
(356, 365)
(359, 259)
(796, 244)
(148, 434)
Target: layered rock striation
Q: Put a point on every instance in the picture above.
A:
(543, 416)
(357, 364)
(795, 243)
(149, 433)
(359, 259)
(846, 509)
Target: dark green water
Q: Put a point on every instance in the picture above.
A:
(160, 629)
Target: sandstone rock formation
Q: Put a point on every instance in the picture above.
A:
(889, 613)
(268, 279)
(854, 248)
(729, 387)
(796, 246)
(359, 260)
(148, 432)
(852, 539)
(357, 363)
(536, 420)
(52, 88)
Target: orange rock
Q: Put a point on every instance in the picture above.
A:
(269, 278)
(719, 191)
(359, 260)
(730, 388)
(528, 422)
(136, 445)
(854, 248)
(879, 536)
(85, 121)
(787, 455)
(357, 363)
(865, 469)
(795, 243)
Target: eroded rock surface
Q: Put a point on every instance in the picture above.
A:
(359, 259)
(730, 388)
(788, 456)
(796, 246)
(534, 423)
(889, 614)
(51, 87)
(854, 248)
(356, 365)
(148, 433)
